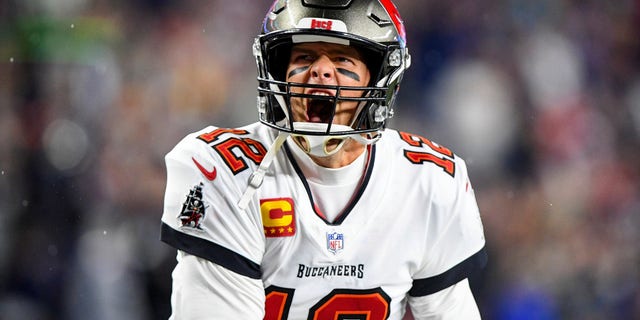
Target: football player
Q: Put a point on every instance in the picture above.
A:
(318, 211)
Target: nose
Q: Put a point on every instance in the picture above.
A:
(322, 69)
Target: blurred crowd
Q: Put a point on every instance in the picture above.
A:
(542, 98)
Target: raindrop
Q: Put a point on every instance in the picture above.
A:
(52, 250)
(66, 144)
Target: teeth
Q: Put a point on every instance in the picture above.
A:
(320, 94)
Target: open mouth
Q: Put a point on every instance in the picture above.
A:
(320, 110)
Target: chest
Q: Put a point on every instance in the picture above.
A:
(370, 255)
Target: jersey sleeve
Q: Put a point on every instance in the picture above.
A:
(452, 303)
(200, 215)
(455, 238)
(205, 290)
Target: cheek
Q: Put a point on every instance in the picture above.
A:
(363, 81)
(366, 77)
(295, 73)
(297, 108)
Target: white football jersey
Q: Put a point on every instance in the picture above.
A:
(411, 228)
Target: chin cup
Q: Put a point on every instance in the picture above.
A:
(320, 144)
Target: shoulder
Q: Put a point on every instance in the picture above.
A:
(423, 164)
(212, 135)
(221, 158)
(224, 145)
(421, 153)
(205, 179)
(436, 188)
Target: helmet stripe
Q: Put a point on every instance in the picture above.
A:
(395, 17)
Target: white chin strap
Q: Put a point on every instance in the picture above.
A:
(318, 145)
(256, 178)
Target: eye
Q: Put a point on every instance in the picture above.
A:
(302, 57)
(345, 60)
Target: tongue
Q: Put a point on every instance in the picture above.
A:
(319, 111)
(314, 118)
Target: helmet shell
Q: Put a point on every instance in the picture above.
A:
(373, 20)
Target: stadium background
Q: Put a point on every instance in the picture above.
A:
(541, 97)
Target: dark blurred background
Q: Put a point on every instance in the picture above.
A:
(542, 98)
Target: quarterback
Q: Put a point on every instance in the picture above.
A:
(318, 210)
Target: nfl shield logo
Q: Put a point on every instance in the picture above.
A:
(335, 242)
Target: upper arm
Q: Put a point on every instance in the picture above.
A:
(220, 247)
(454, 302)
(205, 290)
(454, 250)
(454, 243)
(200, 213)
